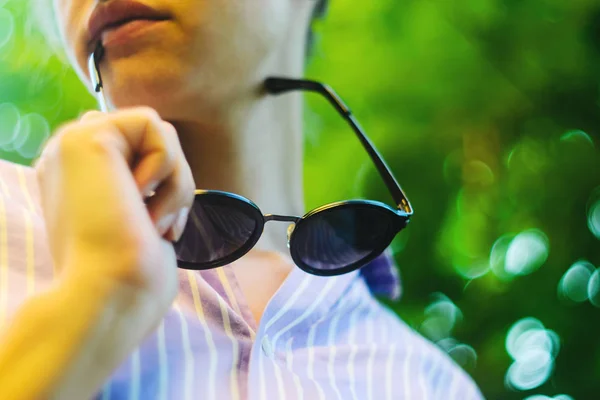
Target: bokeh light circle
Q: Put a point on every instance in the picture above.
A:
(447, 343)
(10, 119)
(522, 326)
(435, 328)
(498, 257)
(23, 133)
(537, 339)
(527, 252)
(577, 136)
(475, 270)
(530, 370)
(453, 166)
(7, 26)
(544, 397)
(593, 288)
(593, 219)
(35, 130)
(533, 349)
(478, 172)
(554, 340)
(440, 317)
(574, 283)
(464, 355)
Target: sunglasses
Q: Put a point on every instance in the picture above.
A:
(333, 239)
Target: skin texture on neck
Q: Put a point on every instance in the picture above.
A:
(255, 148)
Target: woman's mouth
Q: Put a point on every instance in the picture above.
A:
(127, 31)
(120, 21)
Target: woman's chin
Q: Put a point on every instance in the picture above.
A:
(131, 91)
(176, 92)
(167, 107)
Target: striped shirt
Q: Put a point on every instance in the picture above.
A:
(319, 338)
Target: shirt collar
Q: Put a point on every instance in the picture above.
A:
(304, 298)
(382, 277)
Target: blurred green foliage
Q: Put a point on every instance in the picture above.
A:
(488, 112)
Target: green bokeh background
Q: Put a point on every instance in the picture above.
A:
(488, 113)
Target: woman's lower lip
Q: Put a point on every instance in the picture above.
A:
(126, 32)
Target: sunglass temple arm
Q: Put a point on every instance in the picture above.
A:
(282, 85)
(94, 71)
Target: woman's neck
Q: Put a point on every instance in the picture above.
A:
(258, 155)
(255, 147)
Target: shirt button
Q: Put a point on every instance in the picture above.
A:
(267, 346)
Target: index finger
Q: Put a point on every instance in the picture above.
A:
(150, 139)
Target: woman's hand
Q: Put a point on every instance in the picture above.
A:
(93, 175)
(117, 267)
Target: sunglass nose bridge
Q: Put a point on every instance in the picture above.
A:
(290, 230)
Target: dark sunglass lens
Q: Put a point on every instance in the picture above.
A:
(340, 237)
(217, 228)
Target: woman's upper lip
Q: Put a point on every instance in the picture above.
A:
(115, 12)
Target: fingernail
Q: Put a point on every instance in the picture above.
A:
(165, 223)
(181, 222)
(150, 189)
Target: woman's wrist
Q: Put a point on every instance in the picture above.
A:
(49, 333)
(106, 324)
(74, 334)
